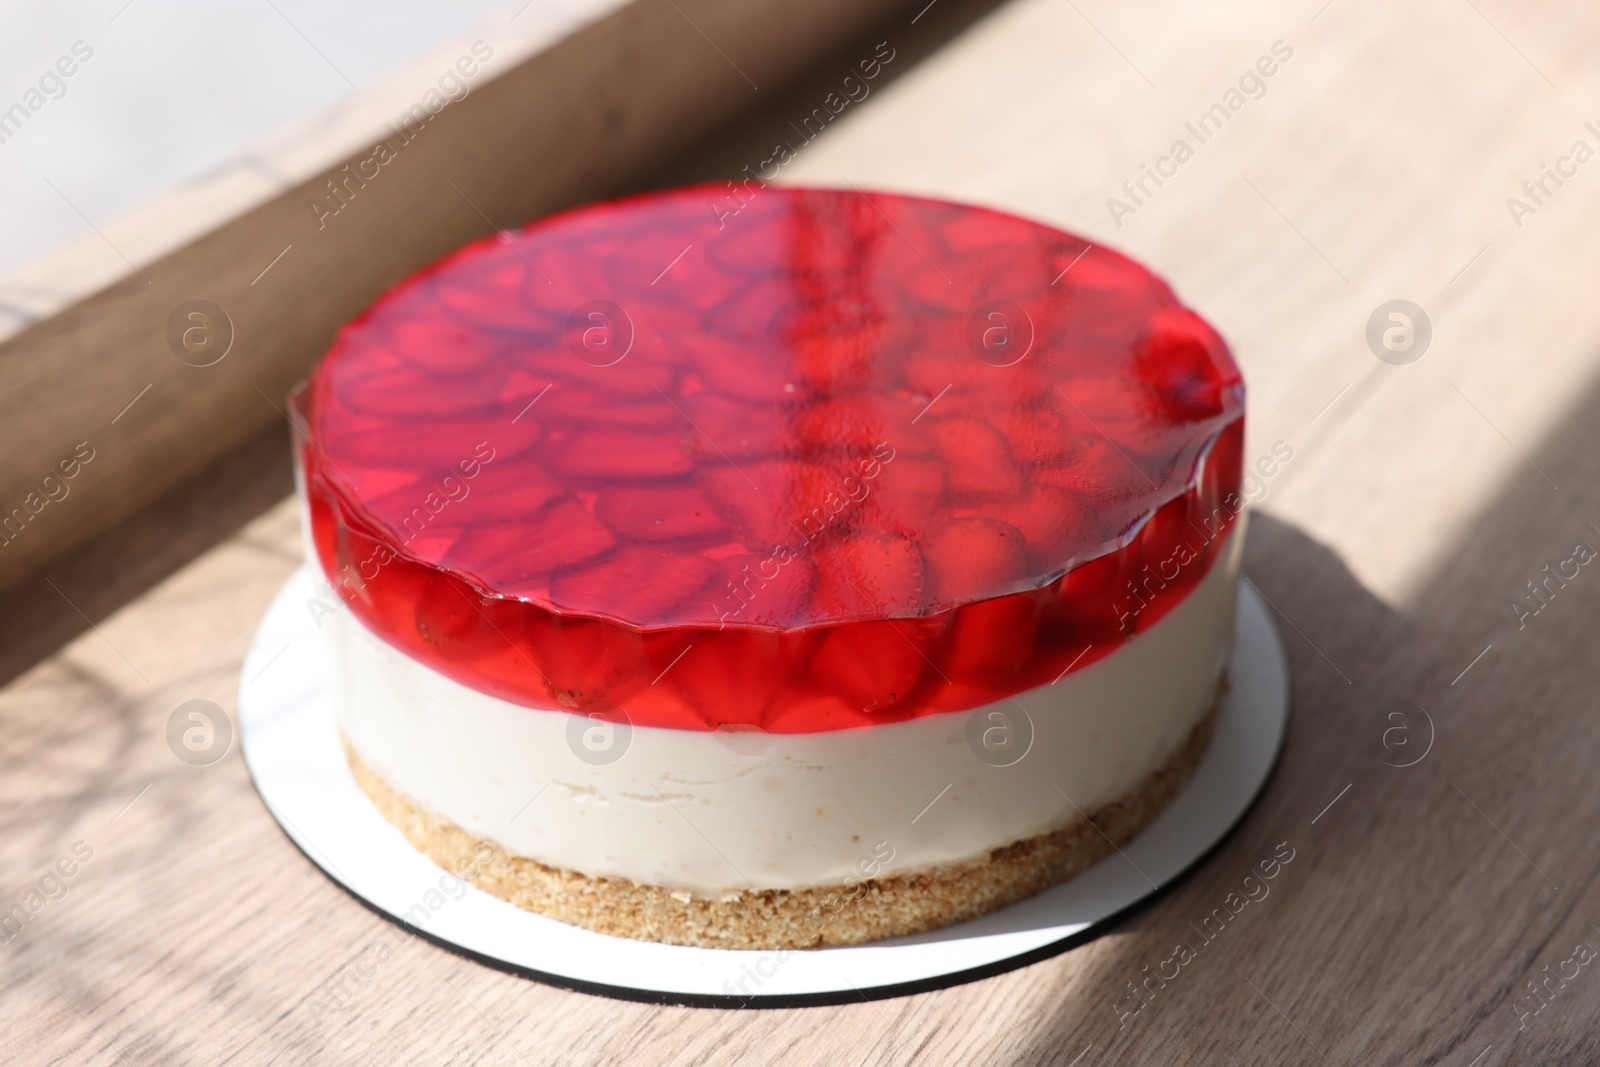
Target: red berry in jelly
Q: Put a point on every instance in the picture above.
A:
(829, 462)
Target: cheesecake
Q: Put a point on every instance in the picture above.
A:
(839, 570)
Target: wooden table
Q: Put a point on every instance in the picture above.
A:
(1420, 501)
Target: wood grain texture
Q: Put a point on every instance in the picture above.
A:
(564, 106)
(1418, 503)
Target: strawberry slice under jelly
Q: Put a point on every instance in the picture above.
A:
(833, 460)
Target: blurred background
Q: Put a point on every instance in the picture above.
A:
(173, 90)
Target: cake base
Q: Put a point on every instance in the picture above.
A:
(884, 907)
(290, 743)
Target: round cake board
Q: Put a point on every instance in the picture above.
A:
(294, 754)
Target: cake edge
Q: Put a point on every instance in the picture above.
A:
(892, 905)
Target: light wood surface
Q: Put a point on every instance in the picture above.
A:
(1419, 502)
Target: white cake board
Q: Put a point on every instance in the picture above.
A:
(294, 754)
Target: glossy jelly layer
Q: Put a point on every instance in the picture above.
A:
(833, 459)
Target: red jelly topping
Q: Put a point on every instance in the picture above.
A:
(807, 460)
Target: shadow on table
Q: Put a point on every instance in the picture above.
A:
(1437, 785)
(48, 609)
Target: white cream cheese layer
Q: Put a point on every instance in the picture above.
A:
(719, 812)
